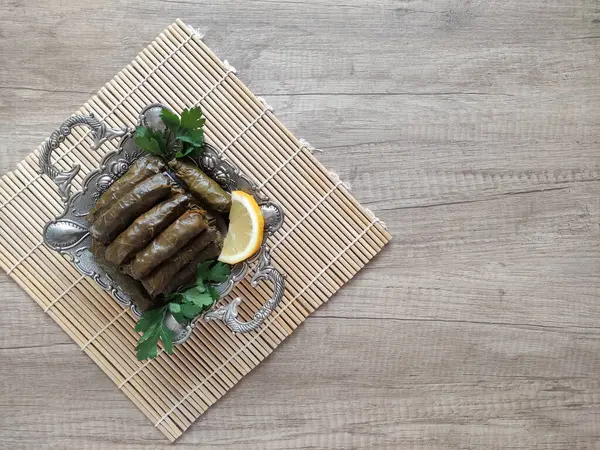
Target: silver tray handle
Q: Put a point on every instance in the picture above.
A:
(228, 313)
(101, 134)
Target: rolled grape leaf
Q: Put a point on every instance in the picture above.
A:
(187, 275)
(128, 285)
(168, 243)
(126, 209)
(201, 186)
(145, 228)
(159, 279)
(142, 168)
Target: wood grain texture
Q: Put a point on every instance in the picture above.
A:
(477, 328)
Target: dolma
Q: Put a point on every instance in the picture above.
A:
(145, 228)
(142, 168)
(133, 288)
(158, 280)
(126, 209)
(168, 243)
(187, 275)
(201, 186)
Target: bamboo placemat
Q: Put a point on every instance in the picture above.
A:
(326, 239)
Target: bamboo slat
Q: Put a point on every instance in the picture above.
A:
(326, 239)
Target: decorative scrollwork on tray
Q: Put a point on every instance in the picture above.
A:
(229, 313)
(68, 233)
(115, 171)
(64, 178)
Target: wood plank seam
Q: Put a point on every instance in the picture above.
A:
(271, 319)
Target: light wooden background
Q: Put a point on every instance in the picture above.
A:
(471, 127)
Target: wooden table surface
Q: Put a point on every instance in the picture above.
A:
(471, 127)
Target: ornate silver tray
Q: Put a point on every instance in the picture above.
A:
(68, 233)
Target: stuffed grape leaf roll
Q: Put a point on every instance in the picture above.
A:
(131, 287)
(143, 167)
(201, 186)
(187, 275)
(159, 280)
(146, 227)
(168, 243)
(127, 208)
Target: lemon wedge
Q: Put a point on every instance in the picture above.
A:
(246, 228)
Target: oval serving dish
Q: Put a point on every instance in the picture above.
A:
(69, 235)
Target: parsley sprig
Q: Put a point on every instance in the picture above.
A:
(183, 306)
(183, 136)
(151, 324)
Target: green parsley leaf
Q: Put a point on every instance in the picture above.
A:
(149, 335)
(200, 284)
(150, 141)
(184, 136)
(201, 299)
(214, 294)
(218, 273)
(147, 349)
(174, 307)
(154, 330)
(148, 319)
(188, 297)
(185, 151)
(197, 290)
(170, 119)
(188, 304)
(202, 269)
(190, 310)
(192, 119)
(196, 138)
(179, 317)
(166, 336)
